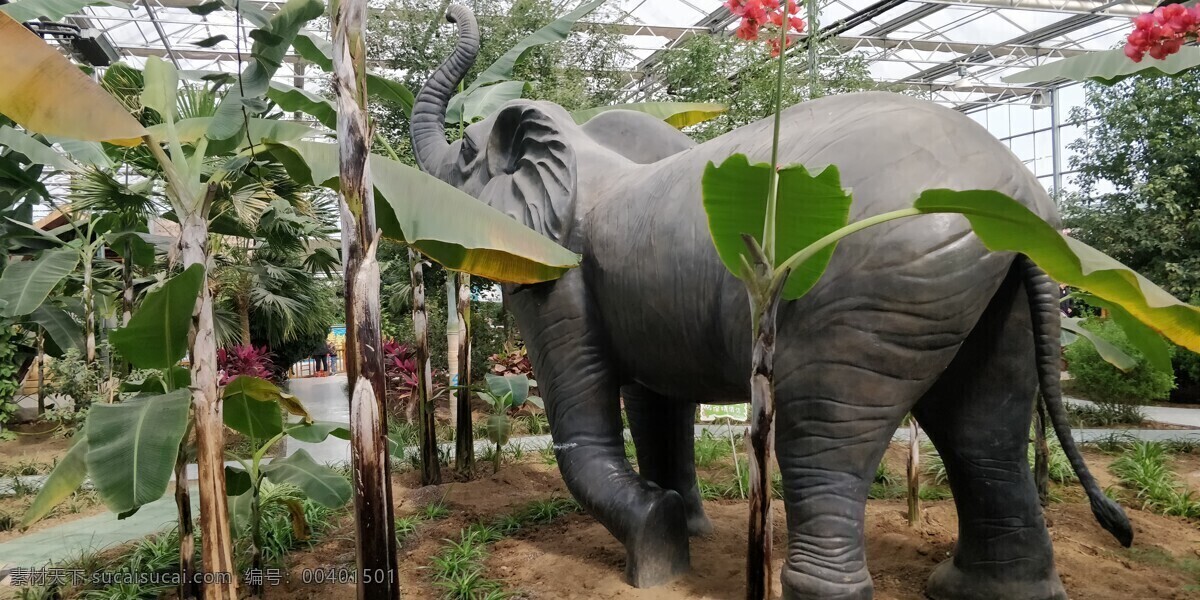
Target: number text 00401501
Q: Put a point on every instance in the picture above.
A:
(345, 575)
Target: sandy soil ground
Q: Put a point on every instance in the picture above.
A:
(575, 558)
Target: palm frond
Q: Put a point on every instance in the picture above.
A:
(96, 190)
(322, 260)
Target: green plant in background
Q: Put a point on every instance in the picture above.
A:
(253, 408)
(1143, 468)
(8, 377)
(73, 377)
(505, 394)
(458, 568)
(1097, 379)
(1105, 414)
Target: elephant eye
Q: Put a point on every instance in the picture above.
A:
(469, 150)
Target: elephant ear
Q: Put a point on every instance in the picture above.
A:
(533, 170)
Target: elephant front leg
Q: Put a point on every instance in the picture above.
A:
(664, 432)
(581, 392)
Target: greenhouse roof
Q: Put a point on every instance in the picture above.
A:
(956, 51)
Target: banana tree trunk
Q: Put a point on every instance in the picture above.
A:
(216, 543)
(762, 424)
(464, 435)
(914, 471)
(89, 314)
(127, 284)
(375, 539)
(431, 471)
(188, 586)
(41, 362)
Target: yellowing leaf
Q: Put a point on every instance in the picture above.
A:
(676, 114)
(1004, 225)
(45, 93)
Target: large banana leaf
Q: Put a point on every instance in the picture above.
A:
(676, 114)
(25, 285)
(156, 336)
(293, 99)
(319, 51)
(45, 93)
(260, 131)
(34, 150)
(59, 325)
(489, 99)
(53, 10)
(249, 410)
(271, 43)
(1109, 352)
(437, 219)
(1109, 67)
(1004, 225)
(316, 432)
(808, 208)
(1153, 347)
(132, 447)
(66, 477)
(502, 69)
(320, 483)
(516, 385)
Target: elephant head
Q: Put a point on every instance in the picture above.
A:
(525, 160)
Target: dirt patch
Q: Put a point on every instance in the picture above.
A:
(37, 448)
(1187, 466)
(576, 558)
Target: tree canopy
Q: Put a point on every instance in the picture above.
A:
(1139, 196)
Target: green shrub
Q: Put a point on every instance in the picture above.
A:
(1105, 414)
(1095, 379)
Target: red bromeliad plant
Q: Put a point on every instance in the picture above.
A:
(1163, 32)
(244, 360)
(400, 361)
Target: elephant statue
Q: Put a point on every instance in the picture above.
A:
(912, 316)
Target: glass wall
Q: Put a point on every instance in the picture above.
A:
(1040, 132)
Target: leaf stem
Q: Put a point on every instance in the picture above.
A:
(773, 188)
(386, 146)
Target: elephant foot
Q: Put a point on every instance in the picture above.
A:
(948, 582)
(657, 550)
(698, 524)
(798, 585)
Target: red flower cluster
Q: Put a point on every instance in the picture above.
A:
(759, 14)
(1163, 32)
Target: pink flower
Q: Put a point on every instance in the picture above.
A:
(1163, 32)
(769, 15)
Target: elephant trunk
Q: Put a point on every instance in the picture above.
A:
(428, 123)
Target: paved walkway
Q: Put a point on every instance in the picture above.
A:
(1187, 417)
(97, 532)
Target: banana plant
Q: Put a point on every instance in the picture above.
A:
(505, 393)
(1109, 67)
(254, 407)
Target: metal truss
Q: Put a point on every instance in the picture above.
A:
(953, 51)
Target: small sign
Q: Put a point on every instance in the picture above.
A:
(734, 412)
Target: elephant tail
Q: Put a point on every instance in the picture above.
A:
(1044, 309)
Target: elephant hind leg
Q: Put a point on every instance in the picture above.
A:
(978, 416)
(663, 432)
(834, 424)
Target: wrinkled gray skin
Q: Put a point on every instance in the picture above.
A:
(911, 316)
